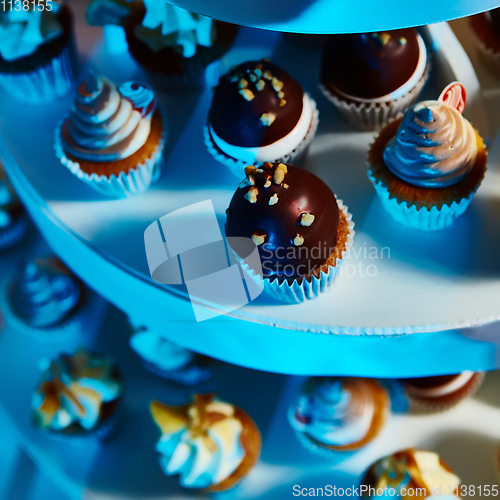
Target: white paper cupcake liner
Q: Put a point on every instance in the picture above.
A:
(297, 292)
(420, 218)
(66, 331)
(100, 434)
(374, 116)
(123, 185)
(190, 376)
(15, 233)
(294, 157)
(45, 84)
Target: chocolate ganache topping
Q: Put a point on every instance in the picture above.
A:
(256, 104)
(371, 65)
(108, 123)
(290, 214)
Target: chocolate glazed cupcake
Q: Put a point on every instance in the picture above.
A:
(374, 77)
(486, 28)
(178, 56)
(433, 394)
(300, 228)
(259, 114)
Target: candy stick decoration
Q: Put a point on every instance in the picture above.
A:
(455, 96)
(141, 95)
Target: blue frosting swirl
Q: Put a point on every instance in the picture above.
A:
(43, 295)
(434, 147)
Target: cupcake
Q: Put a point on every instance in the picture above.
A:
(45, 301)
(13, 219)
(426, 166)
(37, 51)
(211, 444)
(113, 137)
(410, 473)
(176, 46)
(78, 397)
(338, 414)
(486, 28)
(302, 231)
(168, 360)
(259, 114)
(374, 77)
(442, 392)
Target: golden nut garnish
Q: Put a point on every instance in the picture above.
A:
(282, 103)
(260, 84)
(250, 169)
(279, 173)
(277, 84)
(242, 84)
(258, 239)
(273, 200)
(247, 94)
(251, 195)
(298, 240)
(307, 219)
(267, 119)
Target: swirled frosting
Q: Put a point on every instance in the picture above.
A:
(200, 442)
(43, 294)
(334, 411)
(166, 25)
(107, 123)
(160, 351)
(22, 32)
(73, 390)
(410, 469)
(435, 146)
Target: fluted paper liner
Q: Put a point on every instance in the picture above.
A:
(123, 185)
(45, 84)
(238, 166)
(374, 116)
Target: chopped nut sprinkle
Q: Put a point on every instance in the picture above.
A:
(251, 180)
(260, 85)
(242, 84)
(273, 200)
(247, 94)
(250, 169)
(251, 195)
(307, 219)
(267, 119)
(258, 239)
(268, 183)
(384, 38)
(281, 94)
(298, 241)
(267, 75)
(402, 41)
(286, 186)
(268, 165)
(253, 77)
(277, 84)
(234, 78)
(279, 173)
(257, 71)
(282, 103)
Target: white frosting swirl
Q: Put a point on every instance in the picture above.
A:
(160, 351)
(73, 390)
(434, 147)
(334, 412)
(105, 125)
(22, 32)
(201, 443)
(166, 25)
